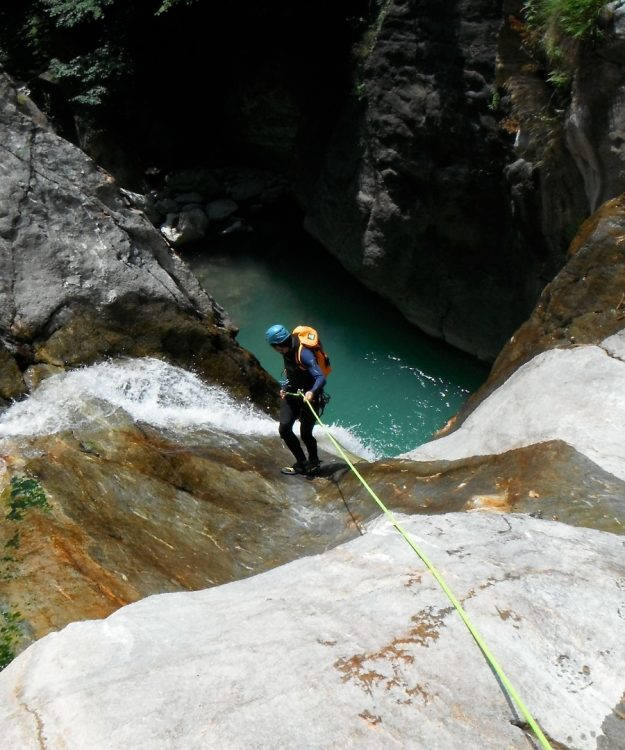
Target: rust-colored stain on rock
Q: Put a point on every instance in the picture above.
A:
(386, 667)
(497, 502)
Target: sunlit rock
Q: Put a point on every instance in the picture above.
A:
(358, 647)
(191, 225)
(585, 302)
(11, 379)
(576, 395)
(583, 305)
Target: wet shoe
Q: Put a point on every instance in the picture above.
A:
(312, 466)
(298, 468)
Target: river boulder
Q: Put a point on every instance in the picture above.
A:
(85, 276)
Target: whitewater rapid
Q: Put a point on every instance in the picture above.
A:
(150, 392)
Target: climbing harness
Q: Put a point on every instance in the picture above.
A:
(443, 584)
(324, 400)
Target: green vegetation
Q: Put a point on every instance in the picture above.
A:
(168, 4)
(495, 101)
(562, 26)
(80, 44)
(25, 493)
(364, 48)
(555, 35)
(22, 494)
(10, 634)
(87, 73)
(69, 13)
(578, 19)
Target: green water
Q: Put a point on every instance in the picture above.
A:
(391, 385)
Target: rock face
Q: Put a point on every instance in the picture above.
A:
(413, 198)
(425, 197)
(124, 480)
(548, 479)
(574, 149)
(593, 125)
(563, 394)
(560, 378)
(433, 192)
(357, 647)
(546, 181)
(118, 497)
(584, 304)
(109, 504)
(83, 276)
(121, 481)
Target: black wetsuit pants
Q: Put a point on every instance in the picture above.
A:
(292, 408)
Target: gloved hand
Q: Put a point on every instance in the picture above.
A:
(309, 395)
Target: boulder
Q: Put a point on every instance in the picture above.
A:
(190, 226)
(84, 276)
(574, 395)
(221, 209)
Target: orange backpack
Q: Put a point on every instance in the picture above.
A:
(309, 338)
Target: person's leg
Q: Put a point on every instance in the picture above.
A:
(288, 415)
(307, 424)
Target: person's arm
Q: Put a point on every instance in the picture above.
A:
(310, 363)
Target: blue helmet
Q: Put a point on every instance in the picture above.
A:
(276, 334)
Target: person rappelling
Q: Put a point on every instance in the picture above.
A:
(306, 366)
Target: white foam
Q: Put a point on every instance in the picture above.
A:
(347, 440)
(149, 390)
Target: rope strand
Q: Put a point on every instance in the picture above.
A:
(443, 584)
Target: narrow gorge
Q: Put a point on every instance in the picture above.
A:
(162, 585)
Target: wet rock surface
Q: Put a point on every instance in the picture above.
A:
(549, 480)
(131, 510)
(109, 510)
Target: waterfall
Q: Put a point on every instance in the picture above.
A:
(149, 391)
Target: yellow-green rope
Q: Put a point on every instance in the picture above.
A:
(442, 583)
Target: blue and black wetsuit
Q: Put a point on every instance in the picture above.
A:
(293, 407)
